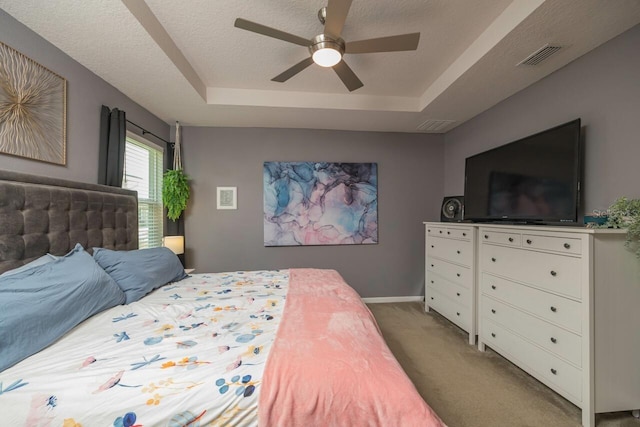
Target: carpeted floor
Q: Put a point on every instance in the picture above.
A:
(468, 388)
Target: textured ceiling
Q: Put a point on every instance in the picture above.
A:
(465, 62)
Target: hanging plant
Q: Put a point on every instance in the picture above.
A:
(175, 192)
(175, 184)
(625, 213)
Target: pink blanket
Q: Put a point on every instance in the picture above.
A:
(330, 366)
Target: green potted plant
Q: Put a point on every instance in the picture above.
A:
(625, 213)
(175, 184)
(175, 192)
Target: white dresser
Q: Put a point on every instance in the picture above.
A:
(563, 303)
(450, 273)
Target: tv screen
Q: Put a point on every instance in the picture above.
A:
(533, 180)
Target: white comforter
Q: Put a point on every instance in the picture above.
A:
(190, 353)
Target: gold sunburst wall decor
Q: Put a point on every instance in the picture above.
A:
(33, 109)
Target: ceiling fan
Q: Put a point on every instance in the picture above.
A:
(328, 48)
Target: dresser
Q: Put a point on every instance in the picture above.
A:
(450, 270)
(563, 304)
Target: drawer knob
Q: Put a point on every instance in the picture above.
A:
(458, 252)
(431, 297)
(440, 231)
(493, 335)
(529, 241)
(457, 313)
(567, 246)
(429, 230)
(458, 274)
(553, 273)
(493, 260)
(464, 234)
(458, 293)
(431, 265)
(554, 372)
(486, 236)
(432, 281)
(493, 311)
(553, 340)
(511, 239)
(553, 309)
(448, 232)
(432, 246)
(493, 286)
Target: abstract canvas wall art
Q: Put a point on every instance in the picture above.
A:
(32, 109)
(320, 203)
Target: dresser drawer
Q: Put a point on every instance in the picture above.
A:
(449, 289)
(453, 272)
(436, 230)
(458, 251)
(500, 237)
(553, 272)
(569, 245)
(560, 375)
(453, 311)
(553, 308)
(459, 233)
(553, 338)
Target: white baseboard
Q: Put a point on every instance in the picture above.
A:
(376, 300)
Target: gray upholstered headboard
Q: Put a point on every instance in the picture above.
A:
(40, 215)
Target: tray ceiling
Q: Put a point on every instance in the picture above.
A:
(186, 61)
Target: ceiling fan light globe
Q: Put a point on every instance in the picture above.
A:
(326, 57)
(326, 51)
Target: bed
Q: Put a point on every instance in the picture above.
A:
(292, 347)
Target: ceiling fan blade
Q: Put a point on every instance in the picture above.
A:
(337, 11)
(348, 77)
(283, 77)
(271, 32)
(384, 44)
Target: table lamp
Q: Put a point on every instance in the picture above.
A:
(175, 243)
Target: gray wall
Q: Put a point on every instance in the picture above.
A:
(410, 184)
(602, 88)
(86, 93)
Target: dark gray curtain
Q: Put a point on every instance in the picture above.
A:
(173, 228)
(113, 133)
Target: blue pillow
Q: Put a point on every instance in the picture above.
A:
(44, 259)
(41, 304)
(141, 271)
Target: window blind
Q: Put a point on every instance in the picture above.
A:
(143, 167)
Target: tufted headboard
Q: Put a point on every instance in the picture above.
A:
(40, 215)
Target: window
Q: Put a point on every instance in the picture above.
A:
(143, 166)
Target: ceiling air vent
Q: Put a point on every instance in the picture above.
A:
(539, 55)
(435, 126)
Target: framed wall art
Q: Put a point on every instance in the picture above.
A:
(320, 203)
(227, 198)
(33, 109)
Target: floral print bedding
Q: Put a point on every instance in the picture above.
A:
(190, 353)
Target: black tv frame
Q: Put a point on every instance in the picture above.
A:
(577, 173)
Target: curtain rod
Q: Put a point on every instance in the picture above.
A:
(144, 132)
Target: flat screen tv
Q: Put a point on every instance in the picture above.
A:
(532, 180)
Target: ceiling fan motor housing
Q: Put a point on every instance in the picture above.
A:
(326, 51)
(322, 41)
